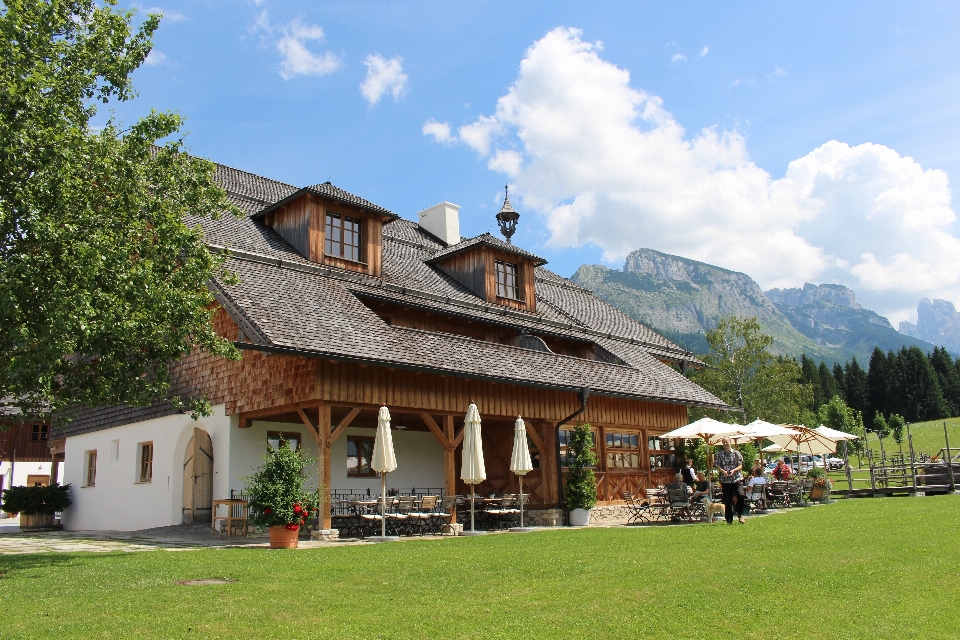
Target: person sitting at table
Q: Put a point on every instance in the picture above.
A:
(679, 485)
(702, 488)
(757, 466)
(756, 478)
(782, 471)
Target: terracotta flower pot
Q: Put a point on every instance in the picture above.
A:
(283, 538)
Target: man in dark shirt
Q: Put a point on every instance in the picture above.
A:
(730, 463)
(689, 475)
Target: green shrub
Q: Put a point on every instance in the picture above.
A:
(36, 500)
(276, 490)
(580, 488)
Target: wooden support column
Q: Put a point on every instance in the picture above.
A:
(321, 435)
(449, 459)
(56, 456)
(548, 462)
(446, 439)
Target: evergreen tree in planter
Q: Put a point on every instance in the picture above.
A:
(580, 488)
(278, 498)
(36, 505)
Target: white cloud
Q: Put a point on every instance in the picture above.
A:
(606, 164)
(439, 130)
(297, 58)
(155, 57)
(678, 57)
(477, 135)
(383, 76)
(704, 51)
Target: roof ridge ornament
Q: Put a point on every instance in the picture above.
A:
(507, 218)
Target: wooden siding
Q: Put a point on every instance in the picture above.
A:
(17, 436)
(475, 269)
(302, 223)
(257, 381)
(467, 268)
(294, 222)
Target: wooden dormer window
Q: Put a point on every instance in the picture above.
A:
(508, 285)
(342, 237)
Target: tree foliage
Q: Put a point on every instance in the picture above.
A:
(580, 486)
(742, 372)
(102, 283)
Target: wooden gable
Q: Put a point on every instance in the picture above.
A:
(476, 270)
(302, 223)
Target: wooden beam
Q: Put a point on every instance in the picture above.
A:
(537, 440)
(314, 431)
(438, 434)
(458, 439)
(449, 459)
(324, 465)
(246, 417)
(343, 425)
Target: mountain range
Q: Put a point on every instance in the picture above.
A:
(682, 299)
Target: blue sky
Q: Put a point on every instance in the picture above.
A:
(793, 141)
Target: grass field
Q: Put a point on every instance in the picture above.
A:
(927, 437)
(869, 568)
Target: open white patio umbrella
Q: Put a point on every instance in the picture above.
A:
(472, 470)
(760, 429)
(805, 441)
(520, 462)
(706, 429)
(384, 461)
(840, 436)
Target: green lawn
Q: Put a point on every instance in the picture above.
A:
(927, 438)
(870, 568)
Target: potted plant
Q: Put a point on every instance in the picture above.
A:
(278, 498)
(36, 505)
(580, 488)
(822, 485)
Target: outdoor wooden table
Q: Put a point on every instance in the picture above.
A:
(241, 505)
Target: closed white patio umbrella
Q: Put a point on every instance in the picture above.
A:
(520, 462)
(384, 461)
(472, 470)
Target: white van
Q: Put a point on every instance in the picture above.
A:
(801, 465)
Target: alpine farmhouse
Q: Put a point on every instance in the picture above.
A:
(343, 306)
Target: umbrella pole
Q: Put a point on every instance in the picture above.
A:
(383, 504)
(473, 489)
(521, 502)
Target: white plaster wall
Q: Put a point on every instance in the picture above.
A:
(23, 469)
(419, 462)
(248, 445)
(118, 501)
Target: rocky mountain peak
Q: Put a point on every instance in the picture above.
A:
(937, 321)
(811, 294)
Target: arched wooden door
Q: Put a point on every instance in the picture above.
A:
(198, 479)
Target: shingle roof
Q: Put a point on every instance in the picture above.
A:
(487, 240)
(286, 303)
(332, 192)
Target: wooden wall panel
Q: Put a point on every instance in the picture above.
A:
(254, 382)
(293, 222)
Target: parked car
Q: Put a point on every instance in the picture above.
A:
(801, 463)
(834, 464)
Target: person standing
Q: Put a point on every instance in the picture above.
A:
(689, 475)
(730, 463)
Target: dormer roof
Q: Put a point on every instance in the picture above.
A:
(328, 190)
(485, 239)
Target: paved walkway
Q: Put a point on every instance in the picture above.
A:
(183, 538)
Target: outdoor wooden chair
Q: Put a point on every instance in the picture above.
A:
(678, 501)
(399, 518)
(506, 514)
(756, 497)
(421, 518)
(639, 510)
(795, 492)
(777, 494)
(442, 517)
